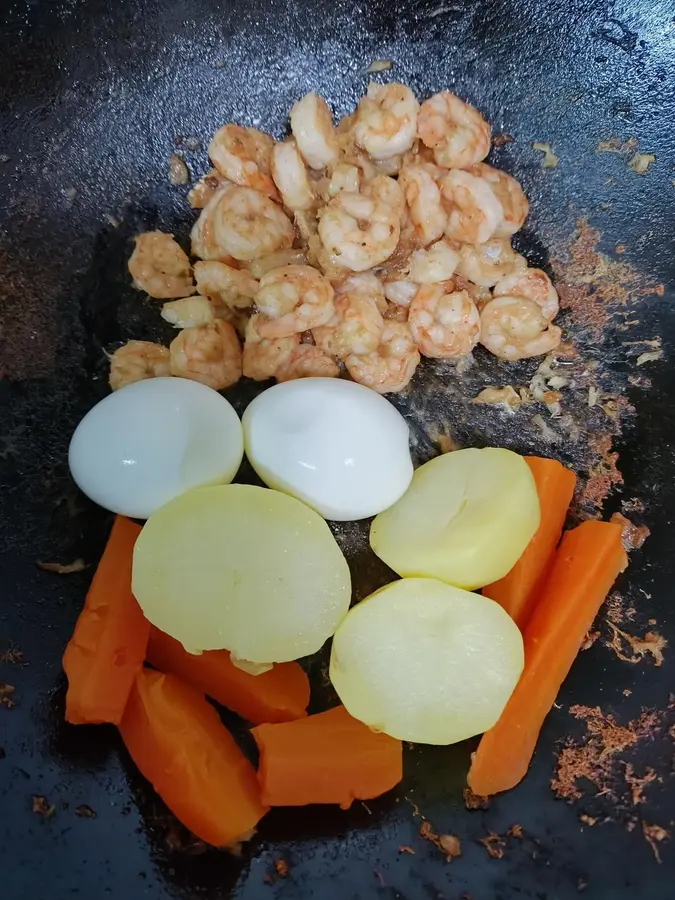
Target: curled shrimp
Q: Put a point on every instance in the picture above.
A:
(223, 283)
(358, 232)
(241, 223)
(159, 266)
(262, 357)
(532, 284)
(308, 361)
(443, 325)
(312, 127)
(136, 361)
(290, 176)
(389, 368)
(486, 263)
(508, 191)
(200, 194)
(188, 312)
(386, 120)
(342, 177)
(356, 326)
(437, 263)
(474, 212)
(243, 156)
(210, 354)
(400, 292)
(293, 299)
(423, 199)
(454, 130)
(384, 189)
(515, 328)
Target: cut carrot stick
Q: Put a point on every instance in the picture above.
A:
(586, 564)
(280, 695)
(519, 589)
(107, 648)
(177, 740)
(326, 758)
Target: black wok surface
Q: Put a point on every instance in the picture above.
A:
(93, 98)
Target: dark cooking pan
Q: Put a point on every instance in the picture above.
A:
(93, 98)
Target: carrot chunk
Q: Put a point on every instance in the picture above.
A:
(586, 564)
(519, 589)
(107, 648)
(177, 740)
(280, 695)
(326, 758)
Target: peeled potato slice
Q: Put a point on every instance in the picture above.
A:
(466, 518)
(426, 662)
(244, 569)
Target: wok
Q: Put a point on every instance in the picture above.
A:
(93, 99)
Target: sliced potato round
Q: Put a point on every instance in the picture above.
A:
(426, 662)
(466, 518)
(242, 568)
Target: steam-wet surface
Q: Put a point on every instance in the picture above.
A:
(93, 99)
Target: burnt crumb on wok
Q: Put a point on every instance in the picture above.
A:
(494, 845)
(41, 806)
(502, 139)
(637, 648)
(84, 811)
(595, 760)
(281, 868)
(78, 565)
(6, 692)
(589, 640)
(474, 801)
(12, 655)
(654, 834)
(638, 783)
(449, 844)
(632, 536)
(404, 848)
(515, 831)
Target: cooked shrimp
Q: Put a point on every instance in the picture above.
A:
(395, 313)
(188, 312)
(290, 176)
(532, 284)
(243, 156)
(443, 325)
(474, 213)
(263, 356)
(258, 267)
(438, 263)
(312, 127)
(515, 328)
(389, 368)
(159, 266)
(210, 354)
(510, 195)
(242, 223)
(384, 189)
(423, 199)
(293, 299)
(356, 326)
(386, 120)
(200, 194)
(358, 232)
(400, 292)
(456, 131)
(307, 361)
(235, 287)
(342, 177)
(367, 285)
(486, 263)
(479, 295)
(136, 361)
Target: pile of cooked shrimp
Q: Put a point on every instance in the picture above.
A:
(354, 247)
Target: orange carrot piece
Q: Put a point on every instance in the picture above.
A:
(326, 758)
(518, 591)
(280, 695)
(587, 562)
(177, 740)
(107, 648)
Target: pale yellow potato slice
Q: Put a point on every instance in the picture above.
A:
(244, 569)
(426, 662)
(466, 518)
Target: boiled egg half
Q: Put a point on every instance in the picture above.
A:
(153, 440)
(337, 446)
